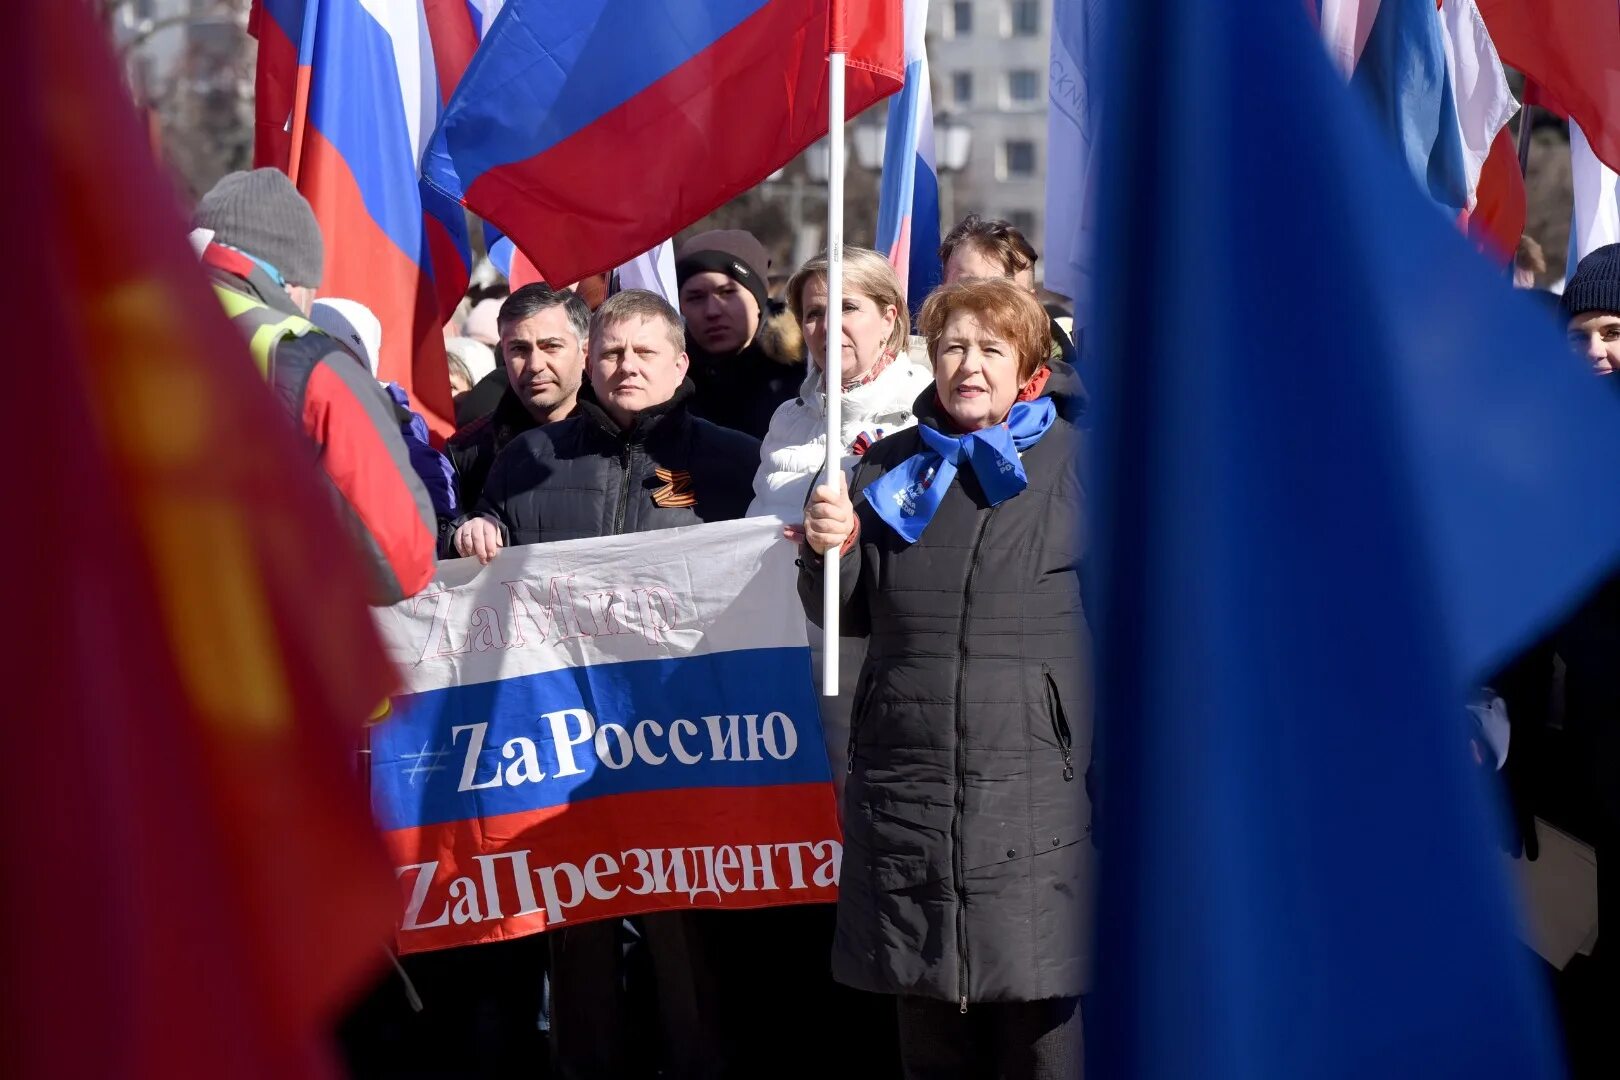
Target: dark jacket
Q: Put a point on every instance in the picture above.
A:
(1563, 765)
(742, 390)
(967, 827)
(474, 448)
(352, 424)
(584, 477)
(484, 397)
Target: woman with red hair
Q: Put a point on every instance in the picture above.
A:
(966, 877)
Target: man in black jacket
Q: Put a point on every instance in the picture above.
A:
(990, 248)
(542, 354)
(747, 352)
(632, 459)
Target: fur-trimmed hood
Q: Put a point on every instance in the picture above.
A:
(780, 339)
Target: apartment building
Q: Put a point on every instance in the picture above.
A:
(989, 60)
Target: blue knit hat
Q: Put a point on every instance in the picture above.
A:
(1596, 284)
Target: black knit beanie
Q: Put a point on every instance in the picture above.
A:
(732, 252)
(1596, 284)
(263, 214)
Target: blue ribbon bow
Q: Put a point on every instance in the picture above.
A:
(907, 496)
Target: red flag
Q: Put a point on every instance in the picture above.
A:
(192, 886)
(591, 131)
(523, 271)
(1498, 218)
(1572, 49)
(1536, 94)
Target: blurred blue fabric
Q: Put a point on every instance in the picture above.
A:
(1342, 470)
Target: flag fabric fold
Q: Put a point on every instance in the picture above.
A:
(199, 890)
(1596, 187)
(1310, 545)
(590, 130)
(1500, 202)
(1394, 54)
(1571, 49)
(908, 199)
(1479, 87)
(1072, 117)
(653, 271)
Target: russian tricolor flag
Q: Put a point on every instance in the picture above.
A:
(1394, 53)
(591, 130)
(1435, 82)
(348, 97)
(908, 204)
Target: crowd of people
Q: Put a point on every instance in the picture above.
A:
(961, 741)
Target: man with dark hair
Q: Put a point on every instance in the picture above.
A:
(632, 459)
(262, 247)
(747, 355)
(542, 353)
(989, 248)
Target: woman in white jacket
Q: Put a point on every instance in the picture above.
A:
(881, 387)
(880, 384)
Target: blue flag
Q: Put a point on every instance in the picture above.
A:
(1342, 471)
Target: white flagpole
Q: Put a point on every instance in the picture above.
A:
(832, 363)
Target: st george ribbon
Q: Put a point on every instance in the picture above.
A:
(604, 727)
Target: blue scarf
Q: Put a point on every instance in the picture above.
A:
(907, 496)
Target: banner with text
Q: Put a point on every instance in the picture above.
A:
(600, 728)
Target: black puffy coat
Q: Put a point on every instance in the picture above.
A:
(473, 449)
(742, 391)
(968, 853)
(585, 477)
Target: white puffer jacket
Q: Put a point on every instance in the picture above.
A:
(795, 447)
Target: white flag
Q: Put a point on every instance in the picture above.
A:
(654, 271)
(1597, 200)
(1478, 84)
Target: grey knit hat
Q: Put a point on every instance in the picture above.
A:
(1596, 284)
(261, 213)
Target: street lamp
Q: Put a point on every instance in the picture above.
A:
(953, 144)
(870, 140)
(816, 163)
(818, 160)
(953, 139)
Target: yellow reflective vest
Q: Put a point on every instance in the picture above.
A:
(262, 325)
